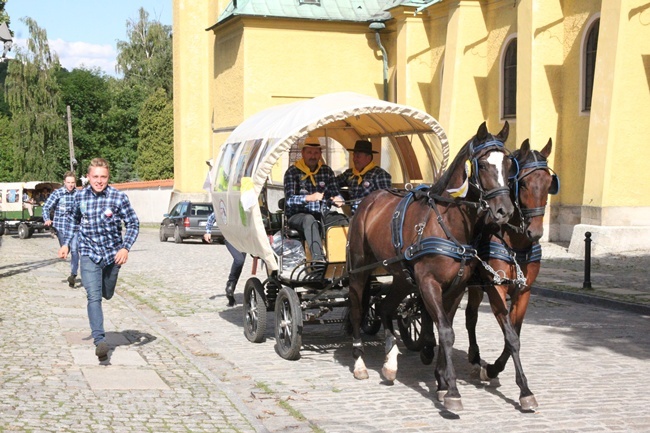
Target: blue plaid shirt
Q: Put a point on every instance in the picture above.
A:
(62, 201)
(295, 190)
(98, 218)
(210, 222)
(374, 179)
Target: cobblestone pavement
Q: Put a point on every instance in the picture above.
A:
(182, 363)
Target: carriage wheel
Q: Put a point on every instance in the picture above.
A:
(288, 324)
(254, 311)
(371, 322)
(161, 235)
(23, 231)
(409, 322)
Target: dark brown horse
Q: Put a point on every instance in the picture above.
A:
(431, 243)
(515, 255)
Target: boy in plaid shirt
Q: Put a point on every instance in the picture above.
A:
(62, 201)
(98, 214)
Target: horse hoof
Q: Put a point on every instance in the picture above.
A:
(441, 395)
(389, 374)
(484, 375)
(361, 374)
(528, 402)
(453, 404)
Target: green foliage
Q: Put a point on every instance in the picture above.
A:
(105, 111)
(146, 58)
(156, 146)
(33, 95)
(87, 93)
(6, 150)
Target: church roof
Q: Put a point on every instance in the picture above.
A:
(327, 10)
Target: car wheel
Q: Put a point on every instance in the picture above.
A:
(23, 231)
(163, 237)
(177, 236)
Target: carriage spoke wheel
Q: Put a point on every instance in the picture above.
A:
(371, 322)
(409, 323)
(254, 311)
(288, 324)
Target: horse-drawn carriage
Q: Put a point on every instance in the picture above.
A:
(425, 238)
(21, 206)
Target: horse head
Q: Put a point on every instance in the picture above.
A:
(490, 168)
(531, 187)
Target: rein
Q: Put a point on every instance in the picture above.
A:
(449, 247)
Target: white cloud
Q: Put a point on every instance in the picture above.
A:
(81, 54)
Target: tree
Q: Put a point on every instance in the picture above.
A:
(156, 146)
(40, 146)
(6, 151)
(146, 58)
(87, 93)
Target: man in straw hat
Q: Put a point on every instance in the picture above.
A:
(364, 177)
(308, 184)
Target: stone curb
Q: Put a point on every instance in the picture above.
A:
(589, 299)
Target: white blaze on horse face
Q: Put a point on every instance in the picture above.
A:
(496, 159)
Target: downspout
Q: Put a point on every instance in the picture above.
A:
(376, 26)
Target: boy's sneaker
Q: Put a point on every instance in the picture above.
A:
(101, 351)
(71, 280)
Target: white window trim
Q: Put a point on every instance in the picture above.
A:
(581, 79)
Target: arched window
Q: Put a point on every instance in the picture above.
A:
(510, 80)
(591, 46)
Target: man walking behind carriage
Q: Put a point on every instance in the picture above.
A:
(62, 201)
(308, 185)
(364, 177)
(98, 213)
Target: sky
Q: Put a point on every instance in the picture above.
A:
(83, 32)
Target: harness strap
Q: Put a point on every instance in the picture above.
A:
(499, 251)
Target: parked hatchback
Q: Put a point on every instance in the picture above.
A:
(187, 220)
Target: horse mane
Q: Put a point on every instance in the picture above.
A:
(463, 155)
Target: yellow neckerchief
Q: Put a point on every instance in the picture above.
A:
(461, 191)
(300, 165)
(359, 174)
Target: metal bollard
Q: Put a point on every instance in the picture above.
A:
(586, 284)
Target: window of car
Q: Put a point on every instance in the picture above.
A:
(202, 209)
(176, 210)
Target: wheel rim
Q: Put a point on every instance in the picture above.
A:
(251, 315)
(285, 331)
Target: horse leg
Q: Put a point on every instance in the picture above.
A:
(355, 297)
(427, 353)
(512, 347)
(446, 375)
(386, 309)
(474, 299)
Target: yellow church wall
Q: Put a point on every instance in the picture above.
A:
(621, 153)
(192, 53)
(501, 19)
(464, 81)
(289, 60)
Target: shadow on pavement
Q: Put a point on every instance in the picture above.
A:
(21, 268)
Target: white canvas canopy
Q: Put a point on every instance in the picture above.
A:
(246, 159)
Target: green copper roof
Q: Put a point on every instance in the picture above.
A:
(330, 10)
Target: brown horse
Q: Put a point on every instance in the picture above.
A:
(515, 255)
(431, 244)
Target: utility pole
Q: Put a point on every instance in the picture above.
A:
(73, 161)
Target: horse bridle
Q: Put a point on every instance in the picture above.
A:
(533, 166)
(476, 182)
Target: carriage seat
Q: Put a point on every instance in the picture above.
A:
(288, 231)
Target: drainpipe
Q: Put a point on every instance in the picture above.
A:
(377, 27)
